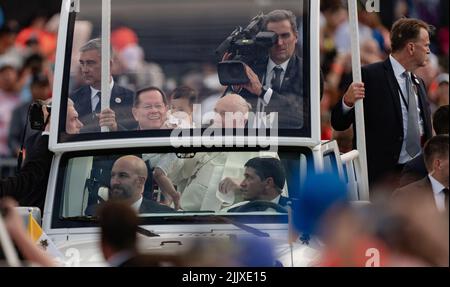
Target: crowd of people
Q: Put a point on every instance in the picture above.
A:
(405, 90)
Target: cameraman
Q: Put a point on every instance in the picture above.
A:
(36, 169)
(276, 83)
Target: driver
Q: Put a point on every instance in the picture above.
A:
(264, 179)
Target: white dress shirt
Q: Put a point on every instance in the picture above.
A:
(267, 82)
(95, 99)
(439, 196)
(137, 204)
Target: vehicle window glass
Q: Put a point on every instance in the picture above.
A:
(170, 183)
(165, 73)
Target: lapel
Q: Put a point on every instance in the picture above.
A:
(288, 75)
(394, 89)
(290, 72)
(84, 106)
(112, 99)
(423, 104)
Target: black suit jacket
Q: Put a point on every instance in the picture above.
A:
(383, 118)
(150, 206)
(23, 186)
(283, 201)
(147, 206)
(121, 103)
(290, 104)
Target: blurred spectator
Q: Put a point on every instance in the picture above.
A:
(415, 169)
(342, 36)
(16, 229)
(433, 187)
(9, 99)
(8, 52)
(334, 14)
(438, 92)
(33, 66)
(36, 38)
(119, 241)
(40, 90)
(385, 234)
(133, 71)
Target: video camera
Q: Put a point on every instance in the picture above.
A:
(36, 115)
(247, 46)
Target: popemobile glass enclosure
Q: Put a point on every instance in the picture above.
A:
(192, 57)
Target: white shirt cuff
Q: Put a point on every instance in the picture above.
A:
(45, 133)
(267, 96)
(345, 108)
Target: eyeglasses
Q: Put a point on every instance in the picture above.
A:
(149, 107)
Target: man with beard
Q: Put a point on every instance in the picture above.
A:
(128, 176)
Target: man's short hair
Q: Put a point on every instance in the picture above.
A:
(268, 167)
(40, 80)
(149, 89)
(184, 92)
(118, 223)
(281, 15)
(94, 44)
(436, 147)
(405, 30)
(440, 120)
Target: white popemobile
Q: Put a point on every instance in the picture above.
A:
(196, 160)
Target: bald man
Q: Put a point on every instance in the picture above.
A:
(231, 112)
(128, 176)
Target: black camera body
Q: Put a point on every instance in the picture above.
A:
(36, 116)
(247, 46)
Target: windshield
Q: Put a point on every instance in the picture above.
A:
(179, 184)
(191, 71)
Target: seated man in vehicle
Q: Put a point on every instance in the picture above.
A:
(202, 171)
(232, 111)
(128, 176)
(150, 111)
(182, 101)
(264, 179)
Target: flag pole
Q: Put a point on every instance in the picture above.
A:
(106, 39)
(363, 182)
(8, 248)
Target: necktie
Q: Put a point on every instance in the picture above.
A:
(445, 191)
(276, 80)
(97, 98)
(412, 133)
